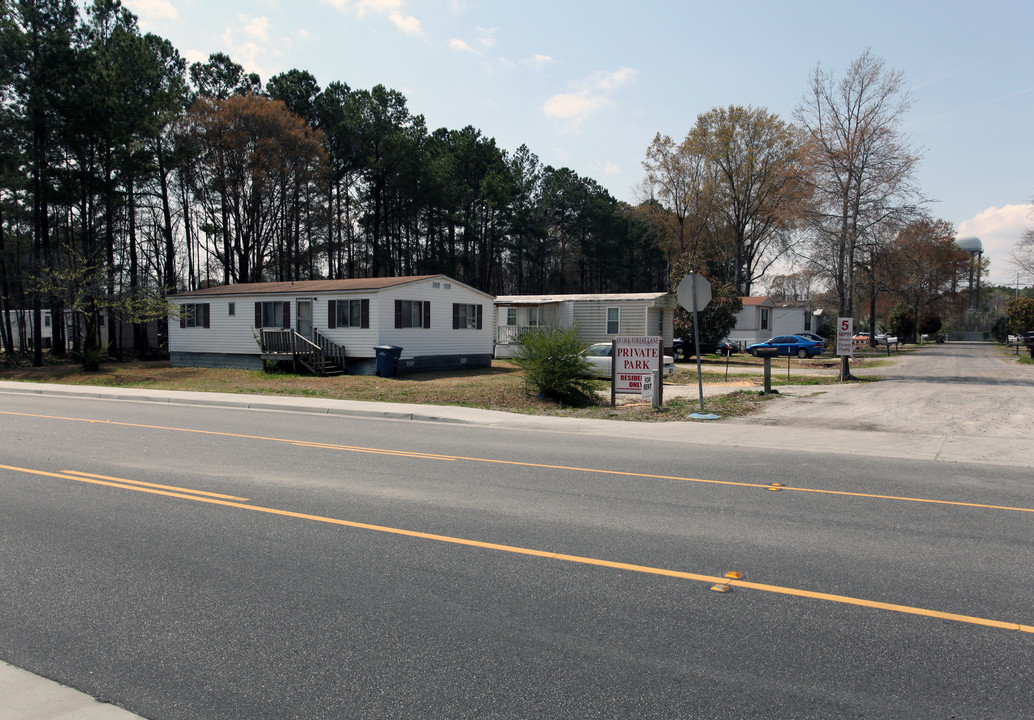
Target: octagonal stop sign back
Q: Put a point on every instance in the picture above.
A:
(694, 284)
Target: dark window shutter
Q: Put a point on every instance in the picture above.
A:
(427, 314)
(364, 312)
(287, 315)
(455, 316)
(398, 313)
(480, 311)
(331, 314)
(183, 316)
(258, 315)
(208, 314)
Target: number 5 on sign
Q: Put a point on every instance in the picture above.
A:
(845, 336)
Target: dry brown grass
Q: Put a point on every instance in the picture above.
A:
(500, 387)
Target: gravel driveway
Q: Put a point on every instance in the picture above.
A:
(958, 389)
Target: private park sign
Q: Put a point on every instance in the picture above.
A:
(636, 358)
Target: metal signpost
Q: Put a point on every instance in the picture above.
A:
(694, 293)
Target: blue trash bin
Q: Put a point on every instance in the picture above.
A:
(387, 359)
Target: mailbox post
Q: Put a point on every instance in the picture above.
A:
(768, 353)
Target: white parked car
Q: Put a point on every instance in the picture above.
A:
(598, 356)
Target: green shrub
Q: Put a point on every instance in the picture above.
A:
(554, 366)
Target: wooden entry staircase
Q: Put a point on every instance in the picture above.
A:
(320, 356)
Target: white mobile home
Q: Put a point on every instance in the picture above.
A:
(790, 317)
(599, 318)
(436, 322)
(761, 319)
(753, 321)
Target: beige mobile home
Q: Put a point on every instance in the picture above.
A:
(598, 317)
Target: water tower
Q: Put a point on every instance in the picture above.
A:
(976, 251)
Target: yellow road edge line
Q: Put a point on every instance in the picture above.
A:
(871, 496)
(155, 485)
(775, 589)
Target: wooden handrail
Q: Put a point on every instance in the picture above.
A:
(330, 348)
(313, 355)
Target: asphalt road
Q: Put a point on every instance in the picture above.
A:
(355, 567)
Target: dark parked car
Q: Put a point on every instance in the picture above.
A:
(802, 347)
(685, 348)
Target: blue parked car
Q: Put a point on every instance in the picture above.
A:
(797, 345)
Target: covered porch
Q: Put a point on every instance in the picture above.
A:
(514, 318)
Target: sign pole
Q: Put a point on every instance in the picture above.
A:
(659, 374)
(613, 372)
(696, 343)
(700, 288)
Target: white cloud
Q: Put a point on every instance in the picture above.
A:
(486, 37)
(614, 80)
(377, 6)
(195, 56)
(484, 41)
(152, 13)
(249, 43)
(574, 106)
(537, 61)
(407, 24)
(589, 96)
(257, 27)
(249, 54)
(390, 8)
(999, 229)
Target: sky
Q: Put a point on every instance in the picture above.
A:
(587, 84)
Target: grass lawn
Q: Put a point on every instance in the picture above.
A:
(500, 387)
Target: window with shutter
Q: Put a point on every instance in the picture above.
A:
(412, 314)
(466, 316)
(274, 314)
(352, 313)
(195, 315)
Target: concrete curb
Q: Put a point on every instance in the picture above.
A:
(31, 697)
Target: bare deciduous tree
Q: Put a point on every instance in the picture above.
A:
(756, 182)
(675, 180)
(863, 166)
(1022, 257)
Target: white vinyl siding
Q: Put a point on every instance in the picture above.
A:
(238, 335)
(595, 320)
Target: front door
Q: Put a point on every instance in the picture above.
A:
(304, 314)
